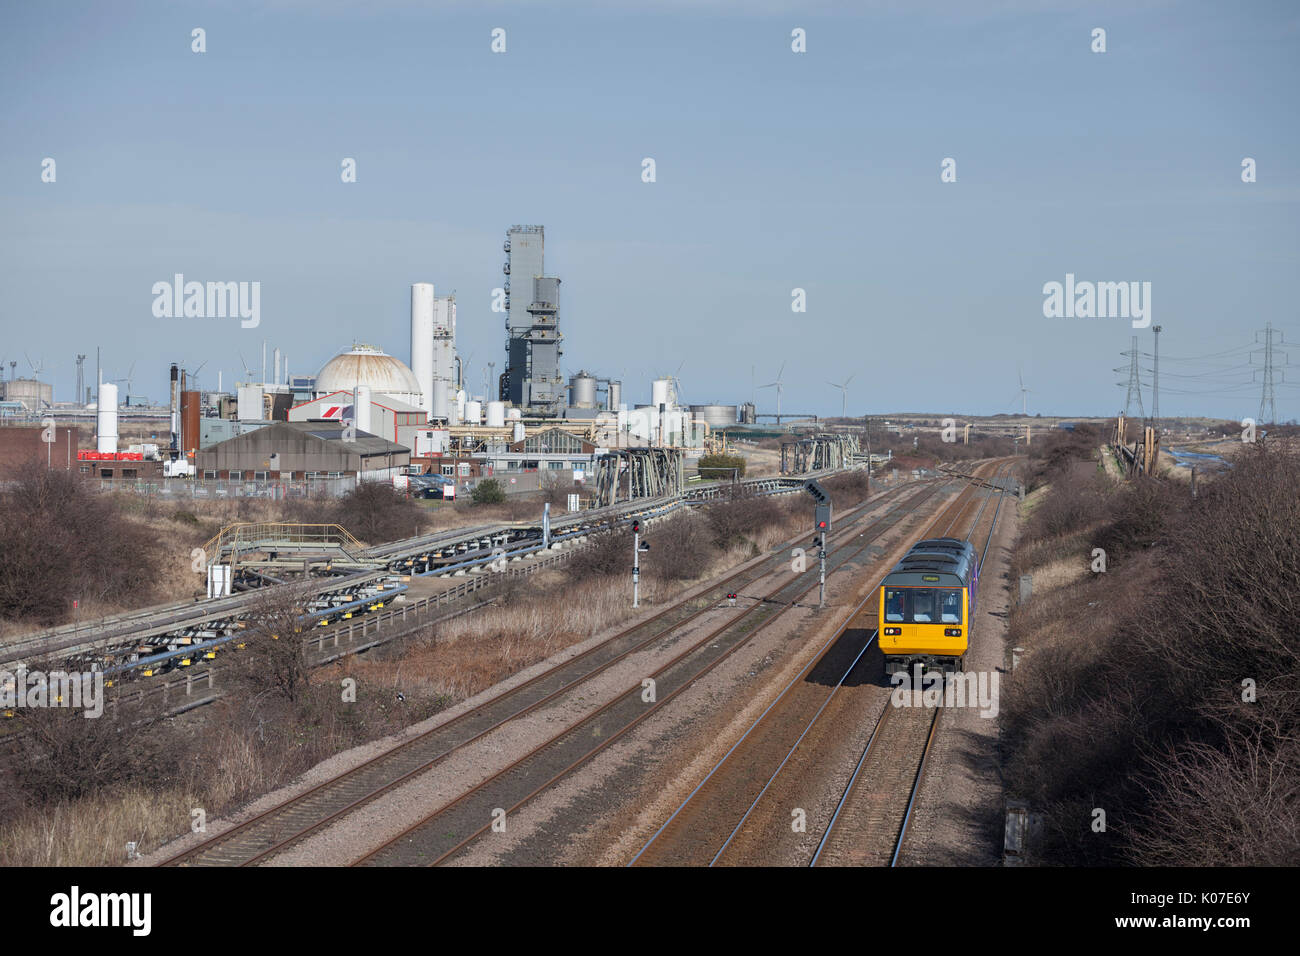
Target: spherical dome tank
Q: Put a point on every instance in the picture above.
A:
(365, 365)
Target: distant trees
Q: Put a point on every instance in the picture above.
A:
(714, 467)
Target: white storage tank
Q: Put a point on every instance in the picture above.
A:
(717, 416)
(513, 414)
(496, 414)
(106, 419)
(422, 341)
(661, 392)
(518, 432)
(473, 412)
(614, 396)
(582, 390)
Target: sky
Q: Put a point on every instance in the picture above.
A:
(774, 171)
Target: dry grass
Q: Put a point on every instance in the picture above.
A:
(95, 832)
(250, 743)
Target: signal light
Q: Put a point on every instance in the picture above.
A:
(636, 527)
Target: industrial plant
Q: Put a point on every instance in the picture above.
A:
(422, 421)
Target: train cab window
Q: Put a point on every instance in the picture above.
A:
(950, 607)
(922, 606)
(895, 605)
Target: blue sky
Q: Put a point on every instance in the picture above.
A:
(775, 170)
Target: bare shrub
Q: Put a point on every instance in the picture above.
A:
(62, 541)
(682, 549)
(1177, 714)
(376, 512)
(605, 553)
(64, 755)
(275, 656)
(738, 517)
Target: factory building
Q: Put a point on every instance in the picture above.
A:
(394, 420)
(531, 380)
(303, 450)
(20, 444)
(552, 451)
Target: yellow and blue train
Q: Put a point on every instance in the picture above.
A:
(927, 604)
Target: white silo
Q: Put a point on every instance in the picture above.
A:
(473, 412)
(513, 414)
(106, 419)
(518, 431)
(362, 404)
(661, 392)
(496, 414)
(422, 341)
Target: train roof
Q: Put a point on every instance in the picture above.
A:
(942, 561)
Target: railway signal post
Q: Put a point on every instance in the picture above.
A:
(822, 525)
(637, 548)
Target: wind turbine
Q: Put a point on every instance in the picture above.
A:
(844, 394)
(1023, 392)
(677, 385)
(128, 380)
(780, 387)
(248, 372)
(194, 376)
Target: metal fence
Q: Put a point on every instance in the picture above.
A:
(218, 488)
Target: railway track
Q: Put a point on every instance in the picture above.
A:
(453, 827)
(728, 818)
(871, 821)
(293, 820)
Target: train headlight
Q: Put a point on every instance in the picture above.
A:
(893, 631)
(952, 632)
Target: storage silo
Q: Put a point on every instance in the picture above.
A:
(422, 341)
(582, 391)
(106, 419)
(661, 392)
(473, 412)
(717, 416)
(496, 414)
(614, 396)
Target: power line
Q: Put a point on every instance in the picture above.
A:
(1267, 392)
(1134, 383)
